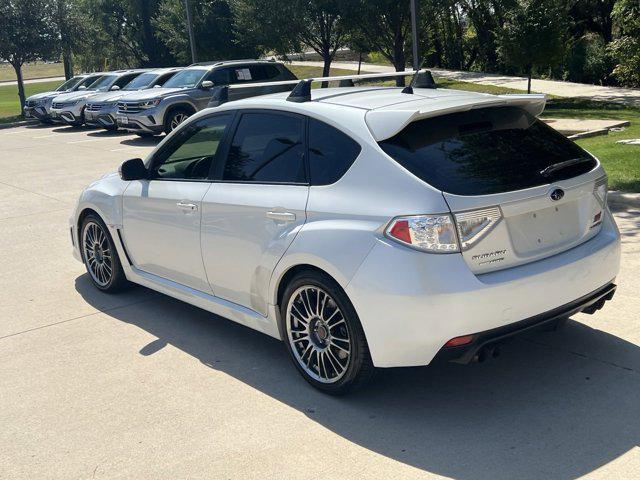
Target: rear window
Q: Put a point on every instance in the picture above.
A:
(486, 151)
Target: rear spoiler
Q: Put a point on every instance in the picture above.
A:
(384, 123)
(301, 91)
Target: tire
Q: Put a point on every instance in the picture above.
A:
(96, 244)
(329, 350)
(175, 118)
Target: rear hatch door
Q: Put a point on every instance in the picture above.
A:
(519, 190)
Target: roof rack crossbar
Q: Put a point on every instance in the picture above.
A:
(302, 90)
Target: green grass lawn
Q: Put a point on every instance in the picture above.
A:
(32, 70)
(10, 103)
(622, 162)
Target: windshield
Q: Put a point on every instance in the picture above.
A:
(88, 81)
(142, 81)
(72, 82)
(103, 83)
(486, 151)
(185, 78)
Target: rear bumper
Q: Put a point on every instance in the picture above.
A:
(411, 304)
(589, 304)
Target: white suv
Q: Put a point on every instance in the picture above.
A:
(366, 227)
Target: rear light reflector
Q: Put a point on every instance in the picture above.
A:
(475, 224)
(458, 341)
(600, 190)
(429, 233)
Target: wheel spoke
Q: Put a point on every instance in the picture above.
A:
(321, 346)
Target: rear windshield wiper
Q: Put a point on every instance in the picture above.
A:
(567, 163)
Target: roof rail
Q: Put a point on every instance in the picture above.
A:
(302, 90)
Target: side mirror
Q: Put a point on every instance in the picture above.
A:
(157, 86)
(206, 85)
(133, 169)
(114, 88)
(82, 87)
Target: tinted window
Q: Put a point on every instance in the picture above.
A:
(191, 153)
(485, 151)
(267, 147)
(141, 81)
(331, 153)
(103, 83)
(125, 79)
(89, 80)
(220, 76)
(68, 84)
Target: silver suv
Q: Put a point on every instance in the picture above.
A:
(162, 109)
(101, 109)
(70, 107)
(39, 105)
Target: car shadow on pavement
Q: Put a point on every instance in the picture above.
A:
(150, 141)
(555, 405)
(73, 129)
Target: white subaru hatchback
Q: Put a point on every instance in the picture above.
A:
(365, 227)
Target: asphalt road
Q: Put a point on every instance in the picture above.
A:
(142, 386)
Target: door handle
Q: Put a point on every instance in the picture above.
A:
(192, 207)
(282, 216)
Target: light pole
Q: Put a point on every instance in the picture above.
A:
(414, 34)
(190, 30)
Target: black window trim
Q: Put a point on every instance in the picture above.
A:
(217, 174)
(221, 148)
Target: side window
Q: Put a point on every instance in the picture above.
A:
(220, 76)
(270, 71)
(331, 153)
(191, 153)
(268, 148)
(123, 80)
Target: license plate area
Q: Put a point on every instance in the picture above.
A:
(545, 229)
(122, 120)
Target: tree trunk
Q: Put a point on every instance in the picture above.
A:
(326, 66)
(359, 62)
(18, 68)
(68, 63)
(399, 61)
(529, 81)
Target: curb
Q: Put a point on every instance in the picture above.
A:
(18, 124)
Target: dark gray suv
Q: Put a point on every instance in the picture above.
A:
(158, 110)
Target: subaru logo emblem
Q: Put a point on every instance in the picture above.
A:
(556, 194)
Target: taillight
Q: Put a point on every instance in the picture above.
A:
(430, 233)
(600, 191)
(475, 224)
(457, 341)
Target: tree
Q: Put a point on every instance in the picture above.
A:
(285, 27)
(215, 31)
(626, 48)
(533, 36)
(70, 25)
(387, 26)
(122, 35)
(26, 34)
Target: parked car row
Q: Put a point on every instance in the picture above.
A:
(151, 101)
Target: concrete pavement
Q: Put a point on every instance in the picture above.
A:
(552, 87)
(142, 386)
